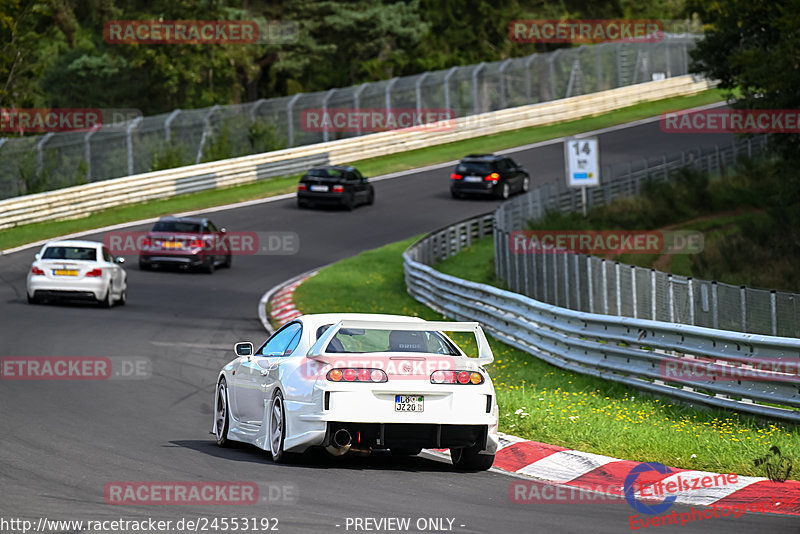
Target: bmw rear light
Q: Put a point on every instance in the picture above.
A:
(357, 375)
(338, 189)
(95, 272)
(455, 176)
(37, 271)
(492, 177)
(302, 187)
(456, 377)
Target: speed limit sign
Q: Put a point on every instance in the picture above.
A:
(582, 159)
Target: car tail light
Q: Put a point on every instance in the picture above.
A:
(357, 375)
(492, 177)
(196, 243)
(36, 270)
(338, 189)
(147, 242)
(456, 377)
(455, 176)
(95, 272)
(302, 187)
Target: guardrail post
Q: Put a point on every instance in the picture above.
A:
(743, 299)
(475, 71)
(168, 125)
(714, 305)
(617, 288)
(690, 283)
(773, 309)
(634, 299)
(290, 119)
(356, 104)
(671, 293)
(447, 87)
(604, 279)
(501, 74)
(653, 307)
(206, 128)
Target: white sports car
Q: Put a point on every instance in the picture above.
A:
(77, 270)
(361, 382)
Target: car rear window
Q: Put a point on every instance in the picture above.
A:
(478, 168)
(360, 340)
(70, 253)
(329, 174)
(177, 226)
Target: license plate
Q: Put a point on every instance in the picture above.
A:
(409, 403)
(473, 179)
(319, 188)
(172, 244)
(65, 272)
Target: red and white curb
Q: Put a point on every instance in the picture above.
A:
(604, 474)
(594, 472)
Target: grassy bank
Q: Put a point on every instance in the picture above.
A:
(370, 167)
(541, 402)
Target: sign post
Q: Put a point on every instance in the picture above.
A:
(582, 162)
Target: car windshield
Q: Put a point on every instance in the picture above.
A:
(70, 253)
(185, 227)
(361, 340)
(481, 169)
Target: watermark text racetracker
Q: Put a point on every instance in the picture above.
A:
(585, 31)
(356, 120)
(160, 32)
(748, 369)
(605, 242)
(147, 525)
(75, 368)
(277, 243)
(44, 120)
(731, 121)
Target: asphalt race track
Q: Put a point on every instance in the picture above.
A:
(63, 441)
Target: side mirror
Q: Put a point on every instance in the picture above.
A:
(245, 348)
(38, 256)
(119, 260)
(223, 230)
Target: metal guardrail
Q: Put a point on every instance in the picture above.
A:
(585, 283)
(127, 148)
(621, 349)
(81, 200)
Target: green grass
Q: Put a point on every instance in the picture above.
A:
(370, 167)
(540, 402)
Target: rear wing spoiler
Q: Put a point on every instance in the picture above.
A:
(485, 355)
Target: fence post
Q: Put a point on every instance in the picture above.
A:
(206, 127)
(617, 288)
(604, 279)
(87, 152)
(576, 261)
(528, 91)
(447, 87)
(502, 76)
(253, 109)
(40, 151)
(525, 274)
(690, 283)
(388, 95)
(475, 72)
(714, 305)
(589, 288)
(565, 275)
(555, 279)
(599, 49)
(743, 298)
(653, 308)
(357, 104)
(328, 95)
(634, 299)
(773, 308)
(671, 292)
(129, 141)
(168, 125)
(551, 62)
(418, 90)
(289, 107)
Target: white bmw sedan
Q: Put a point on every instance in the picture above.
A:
(83, 270)
(361, 382)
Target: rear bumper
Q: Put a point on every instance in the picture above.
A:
(321, 198)
(192, 260)
(410, 436)
(473, 188)
(83, 289)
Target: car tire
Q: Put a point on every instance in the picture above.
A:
(228, 261)
(208, 266)
(526, 184)
(144, 266)
(108, 301)
(455, 194)
(371, 197)
(277, 430)
(221, 417)
(303, 204)
(123, 297)
(406, 451)
(504, 191)
(349, 202)
(468, 459)
(31, 300)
